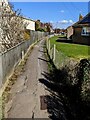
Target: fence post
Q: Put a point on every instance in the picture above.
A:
(54, 51)
(48, 46)
(22, 54)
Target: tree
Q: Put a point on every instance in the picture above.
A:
(48, 29)
(11, 27)
(37, 25)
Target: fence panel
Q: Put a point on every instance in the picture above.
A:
(12, 56)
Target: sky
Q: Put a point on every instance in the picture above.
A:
(60, 14)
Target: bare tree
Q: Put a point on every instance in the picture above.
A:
(11, 27)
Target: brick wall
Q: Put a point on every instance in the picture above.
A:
(78, 38)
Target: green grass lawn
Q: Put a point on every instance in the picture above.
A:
(76, 51)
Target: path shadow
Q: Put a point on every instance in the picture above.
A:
(64, 40)
(42, 51)
(43, 59)
(64, 102)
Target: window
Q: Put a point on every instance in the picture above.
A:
(85, 31)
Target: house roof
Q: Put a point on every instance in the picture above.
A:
(85, 21)
(28, 19)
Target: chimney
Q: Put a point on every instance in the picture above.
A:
(80, 17)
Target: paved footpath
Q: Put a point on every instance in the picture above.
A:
(25, 94)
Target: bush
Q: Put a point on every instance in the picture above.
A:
(27, 35)
(41, 29)
(85, 87)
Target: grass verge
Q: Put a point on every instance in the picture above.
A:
(71, 50)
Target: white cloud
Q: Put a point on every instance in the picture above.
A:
(66, 22)
(63, 21)
(51, 21)
(71, 21)
(62, 24)
(62, 11)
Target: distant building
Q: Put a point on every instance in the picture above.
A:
(60, 31)
(46, 27)
(49, 27)
(57, 30)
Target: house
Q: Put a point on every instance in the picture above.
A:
(70, 29)
(81, 31)
(63, 32)
(30, 24)
(60, 31)
(49, 27)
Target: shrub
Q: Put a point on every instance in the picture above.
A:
(41, 29)
(27, 35)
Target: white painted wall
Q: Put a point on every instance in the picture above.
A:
(31, 24)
